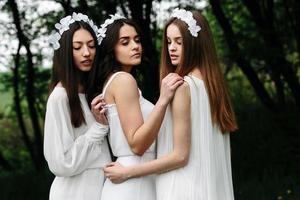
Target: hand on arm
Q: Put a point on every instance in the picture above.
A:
(66, 154)
(98, 109)
(139, 134)
(181, 113)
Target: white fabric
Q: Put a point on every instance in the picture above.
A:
(74, 155)
(142, 188)
(207, 176)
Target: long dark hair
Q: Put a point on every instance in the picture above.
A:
(107, 60)
(65, 71)
(200, 52)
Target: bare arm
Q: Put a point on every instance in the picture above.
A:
(139, 134)
(181, 143)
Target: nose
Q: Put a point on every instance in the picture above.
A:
(86, 51)
(135, 45)
(172, 47)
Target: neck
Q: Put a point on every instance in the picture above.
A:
(196, 72)
(80, 89)
(127, 68)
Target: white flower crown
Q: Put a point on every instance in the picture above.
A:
(64, 25)
(102, 30)
(187, 17)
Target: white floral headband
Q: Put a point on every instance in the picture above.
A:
(64, 25)
(102, 30)
(187, 17)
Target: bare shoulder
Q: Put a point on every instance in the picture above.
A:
(181, 101)
(183, 91)
(124, 80)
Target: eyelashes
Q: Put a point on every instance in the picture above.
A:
(126, 41)
(78, 48)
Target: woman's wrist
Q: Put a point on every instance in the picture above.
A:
(163, 102)
(129, 173)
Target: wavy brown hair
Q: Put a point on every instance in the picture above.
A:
(65, 71)
(200, 52)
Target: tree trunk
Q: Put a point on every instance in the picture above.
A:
(151, 77)
(263, 17)
(17, 102)
(83, 7)
(244, 65)
(38, 143)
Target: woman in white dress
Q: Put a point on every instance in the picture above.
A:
(134, 122)
(194, 147)
(74, 137)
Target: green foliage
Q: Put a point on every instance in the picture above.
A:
(265, 149)
(11, 143)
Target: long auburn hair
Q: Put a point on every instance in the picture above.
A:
(107, 59)
(200, 52)
(65, 71)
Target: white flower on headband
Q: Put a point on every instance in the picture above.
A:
(102, 30)
(53, 39)
(187, 17)
(80, 17)
(64, 25)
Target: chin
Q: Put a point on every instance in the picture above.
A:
(85, 69)
(174, 63)
(136, 62)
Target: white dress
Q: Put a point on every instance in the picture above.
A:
(207, 176)
(74, 155)
(142, 188)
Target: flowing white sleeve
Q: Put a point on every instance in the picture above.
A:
(67, 156)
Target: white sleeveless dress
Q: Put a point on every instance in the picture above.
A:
(142, 188)
(207, 176)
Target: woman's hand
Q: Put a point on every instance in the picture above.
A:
(169, 84)
(98, 109)
(116, 172)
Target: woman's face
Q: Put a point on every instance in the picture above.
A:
(174, 39)
(128, 50)
(84, 49)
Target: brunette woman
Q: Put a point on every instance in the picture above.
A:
(74, 138)
(134, 122)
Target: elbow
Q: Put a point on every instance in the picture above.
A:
(60, 171)
(138, 151)
(56, 171)
(182, 160)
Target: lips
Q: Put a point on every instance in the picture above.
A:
(136, 55)
(173, 57)
(86, 62)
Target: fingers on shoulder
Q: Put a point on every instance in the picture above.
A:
(181, 101)
(182, 97)
(183, 91)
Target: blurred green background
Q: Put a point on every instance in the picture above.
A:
(258, 42)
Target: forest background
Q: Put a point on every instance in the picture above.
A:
(258, 43)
